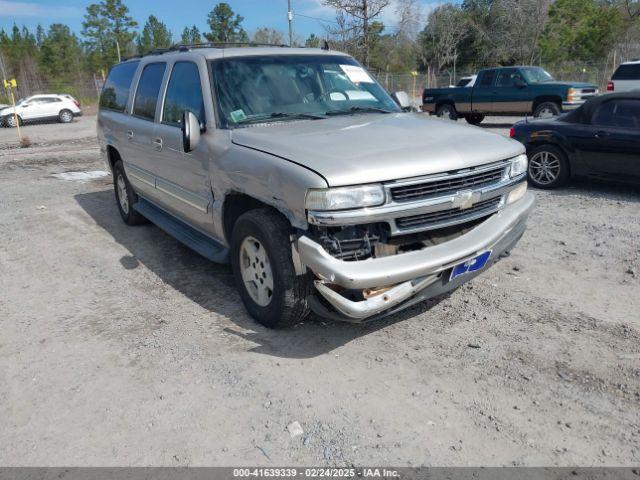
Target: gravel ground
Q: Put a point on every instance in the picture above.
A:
(119, 346)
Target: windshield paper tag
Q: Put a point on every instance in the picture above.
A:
(356, 74)
(238, 115)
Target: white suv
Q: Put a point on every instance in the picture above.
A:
(42, 107)
(625, 78)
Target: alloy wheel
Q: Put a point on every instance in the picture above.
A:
(544, 167)
(123, 199)
(255, 269)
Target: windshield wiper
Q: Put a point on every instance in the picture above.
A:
(281, 115)
(358, 110)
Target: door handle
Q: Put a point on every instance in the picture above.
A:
(157, 142)
(602, 134)
(130, 134)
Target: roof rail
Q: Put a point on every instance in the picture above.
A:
(185, 47)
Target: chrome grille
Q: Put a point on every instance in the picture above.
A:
(445, 216)
(447, 185)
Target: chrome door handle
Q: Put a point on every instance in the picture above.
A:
(157, 142)
(602, 134)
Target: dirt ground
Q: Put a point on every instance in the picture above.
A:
(119, 346)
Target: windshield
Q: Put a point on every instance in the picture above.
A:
(536, 75)
(280, 87)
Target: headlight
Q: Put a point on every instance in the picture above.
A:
(344, 198)
(517, 193)
(518, 165)
(574, 95)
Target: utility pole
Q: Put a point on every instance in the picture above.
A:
(118, 49)
(290, 17)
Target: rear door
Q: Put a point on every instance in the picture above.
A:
(184, 177)
(612, 147)
(482, 96)
(507, 96)
(140, 159)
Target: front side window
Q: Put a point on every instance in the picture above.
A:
(270, 88)
(184, 93)
(618, 113)
(116, 88)
(144, 105)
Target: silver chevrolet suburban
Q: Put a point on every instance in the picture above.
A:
(297, 167)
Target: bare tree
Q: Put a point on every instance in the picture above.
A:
(441, 38)
(268, 36)
(354, 20)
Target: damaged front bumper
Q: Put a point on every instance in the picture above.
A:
(414, 276)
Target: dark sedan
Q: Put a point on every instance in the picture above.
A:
(600, 139)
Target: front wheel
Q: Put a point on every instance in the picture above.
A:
(263, 270)
(548, 167)
(547, 110)
(11, 121)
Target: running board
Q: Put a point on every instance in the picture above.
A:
(192, 238)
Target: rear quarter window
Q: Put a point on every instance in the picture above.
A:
(116, 88)
(627, 72)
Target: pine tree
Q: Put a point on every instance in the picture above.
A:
(225, 25)
(155, 34)
(191, 35)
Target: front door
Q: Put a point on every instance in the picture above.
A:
(184, 179)
(612, 143)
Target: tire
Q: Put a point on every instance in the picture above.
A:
(10, 121)
(65, 116)
(263, 234)
(448, 111)
(547, 110)
(548, 167)
(474, 118)
(126, 197)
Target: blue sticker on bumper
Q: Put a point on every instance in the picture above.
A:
(470, 266)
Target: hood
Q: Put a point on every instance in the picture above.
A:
(558, 83)
(370, 148)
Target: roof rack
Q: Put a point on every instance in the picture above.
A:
(185, 47)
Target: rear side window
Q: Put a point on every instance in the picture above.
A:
(116, 89)
(627, 72)
(487, 78)
(144, 105)
(618, 113)
(184, 93)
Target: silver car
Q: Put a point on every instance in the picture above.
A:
(297, 168)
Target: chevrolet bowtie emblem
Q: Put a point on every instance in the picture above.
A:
(465, 199)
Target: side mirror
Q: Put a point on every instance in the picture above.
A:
(402, 99)
(190, 131)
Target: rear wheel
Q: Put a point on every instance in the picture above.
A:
(547, 110)
(126, 197)
(65, 116)
(474, 118)
(263, 270)
(548, 167)
(447, 111)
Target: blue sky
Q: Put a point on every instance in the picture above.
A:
(257, 13)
